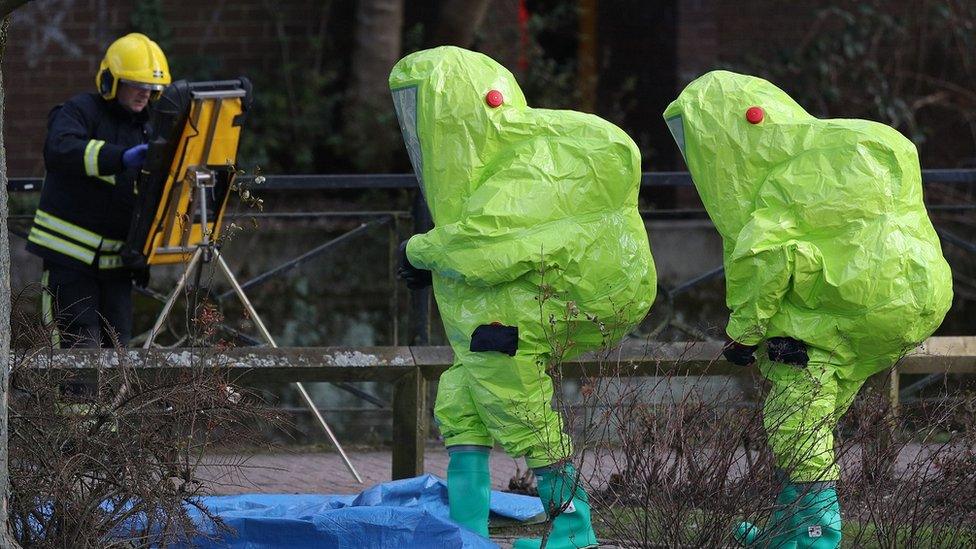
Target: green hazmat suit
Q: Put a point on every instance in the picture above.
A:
(535, 227)
(826, 240)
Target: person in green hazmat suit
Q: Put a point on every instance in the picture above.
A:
(537, 254)
(833, 270)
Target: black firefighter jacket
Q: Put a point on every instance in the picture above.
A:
(87, 198)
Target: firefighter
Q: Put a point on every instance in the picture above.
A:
(96, 144)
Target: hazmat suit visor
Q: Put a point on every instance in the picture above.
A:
(676, 125)
(728, 155)
(405, 103)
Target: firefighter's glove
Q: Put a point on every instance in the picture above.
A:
(415, 278)
(135, 157)
(141, 277)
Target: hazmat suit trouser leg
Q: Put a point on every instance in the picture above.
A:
(798, 416)
(800, 413)
(489, 397)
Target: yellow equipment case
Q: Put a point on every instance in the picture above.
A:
(189, 171)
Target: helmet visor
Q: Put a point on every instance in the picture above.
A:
(143, 85)
(405, 102)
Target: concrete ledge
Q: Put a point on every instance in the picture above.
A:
(633, 358)
(410, 369)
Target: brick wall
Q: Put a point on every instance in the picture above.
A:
(713, 32)
(54, 47)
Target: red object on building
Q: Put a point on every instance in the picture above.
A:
(755, 115)
(523, 26)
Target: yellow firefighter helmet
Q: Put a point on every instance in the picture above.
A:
(135, 60)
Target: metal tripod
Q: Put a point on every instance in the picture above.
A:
(205, 252)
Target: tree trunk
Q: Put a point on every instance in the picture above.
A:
(6, 539)
(370, 130)
(6, 8)
(458, 21)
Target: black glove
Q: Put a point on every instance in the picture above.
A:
(141, 277)
(739, 354)
(495, 337)
(787, 350)
(415, 278)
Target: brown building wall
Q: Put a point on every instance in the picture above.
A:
(54, 47)
(714, 32)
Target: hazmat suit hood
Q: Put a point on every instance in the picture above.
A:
(727, 155)
(461, 113)
(826, 238)
(448, 127)
(536, 193)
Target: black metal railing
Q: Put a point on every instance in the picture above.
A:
(419, 219)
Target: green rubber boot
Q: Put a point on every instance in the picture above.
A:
(572, 528)
(817, 521)
(810, 521)
(750, 535)
(469, 487)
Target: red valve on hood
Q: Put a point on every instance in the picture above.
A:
(494, 99)
(755, 115)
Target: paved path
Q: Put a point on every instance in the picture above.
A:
(325, 473)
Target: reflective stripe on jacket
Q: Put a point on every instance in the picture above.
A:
(87, 199)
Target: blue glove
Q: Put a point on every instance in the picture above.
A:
(135, 157)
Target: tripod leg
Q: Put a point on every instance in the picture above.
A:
(267, 336)
(172, 298)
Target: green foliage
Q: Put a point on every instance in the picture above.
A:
(148, 18)
(22, 203)
(909, 65)
(295, 126)
(301, 118)
(413, 38)
(549, 82)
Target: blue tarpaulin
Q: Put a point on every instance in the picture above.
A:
(403, 514)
